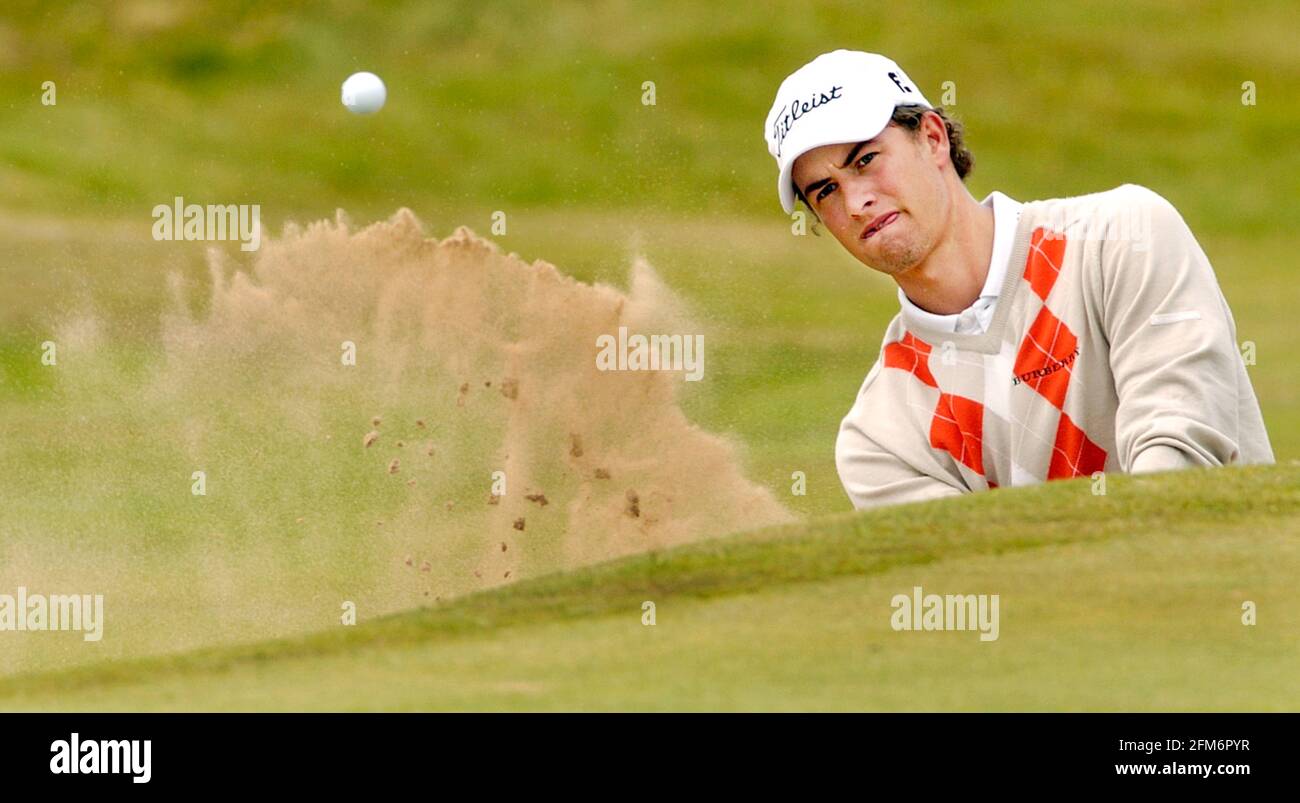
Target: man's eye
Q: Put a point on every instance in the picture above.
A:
(865, 158)
(824, 191)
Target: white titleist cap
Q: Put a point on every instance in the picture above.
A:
(842, 96)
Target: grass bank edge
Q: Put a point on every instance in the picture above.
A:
(831, 546)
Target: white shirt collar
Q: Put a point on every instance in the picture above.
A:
(1006, 214)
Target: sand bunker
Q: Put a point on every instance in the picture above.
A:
(497, 357)
(379, 418)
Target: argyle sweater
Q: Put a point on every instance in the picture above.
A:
(1111, 348)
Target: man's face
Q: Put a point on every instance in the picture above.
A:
(893, 181)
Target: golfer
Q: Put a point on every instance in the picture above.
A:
(1035, 341)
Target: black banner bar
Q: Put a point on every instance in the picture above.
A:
(329, 752)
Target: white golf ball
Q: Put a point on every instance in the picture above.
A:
(364, 93)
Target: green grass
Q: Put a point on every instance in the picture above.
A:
(1130, 600)
(524, 105)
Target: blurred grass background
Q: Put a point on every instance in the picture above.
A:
(535, 110)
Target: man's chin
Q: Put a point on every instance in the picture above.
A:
(888, 264)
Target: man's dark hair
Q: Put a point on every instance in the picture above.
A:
(909, 117)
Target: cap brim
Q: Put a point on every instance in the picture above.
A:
(867, 130)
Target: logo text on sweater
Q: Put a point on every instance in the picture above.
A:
(1047, 370)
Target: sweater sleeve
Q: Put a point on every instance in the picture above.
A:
(1173, 349)
(873, 476)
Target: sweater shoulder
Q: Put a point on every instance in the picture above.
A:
(1127, 204)
(1124, 195)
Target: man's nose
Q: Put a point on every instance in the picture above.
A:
(859, 198)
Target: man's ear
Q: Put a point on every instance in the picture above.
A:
(934, 133)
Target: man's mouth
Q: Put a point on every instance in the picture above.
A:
(878, 224)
